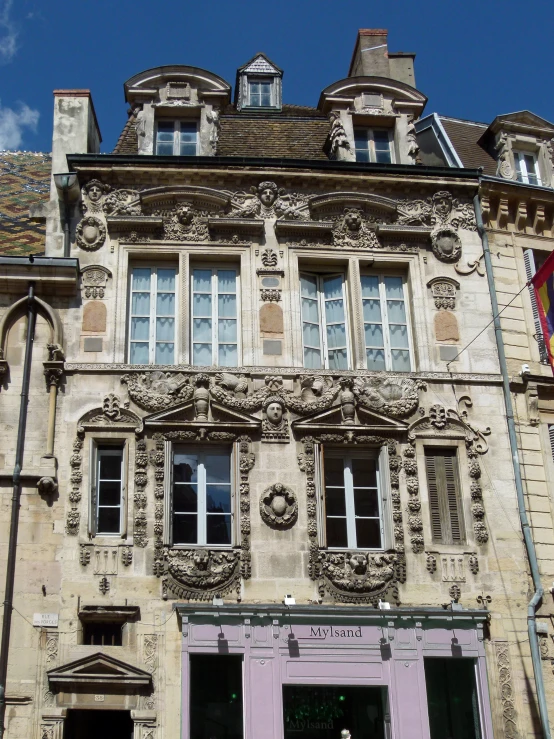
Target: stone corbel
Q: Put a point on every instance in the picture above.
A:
(521, 216)
(485, 209)
(503, 217)
(539, 220)
(532, 398)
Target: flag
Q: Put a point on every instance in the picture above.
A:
(543, 283)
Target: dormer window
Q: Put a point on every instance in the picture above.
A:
(259, 93)
(259, 85)
(527, 168)
(373, 145)
(177, 138)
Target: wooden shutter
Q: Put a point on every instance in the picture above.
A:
(530, 270)
(551, 437)
(447, 524)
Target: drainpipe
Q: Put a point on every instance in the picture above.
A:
(16, 496)
(527, 535)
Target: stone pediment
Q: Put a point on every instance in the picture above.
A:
(112, 416)
(98, 670)
(362, 422)
(184, 416)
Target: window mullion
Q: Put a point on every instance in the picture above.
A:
(385, 315)
(201, 513)
(176, 151)
(322, 322)
(349, 501)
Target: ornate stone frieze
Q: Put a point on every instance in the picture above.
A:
(94, 279)
(269, 295)
(415, 524)
(358, 577)
(506, 692)
(279, 506)
(439, 210)
(391, 396)
(353, 230)
(140, 538)
(157, 459)
(75, 480)
(150, 658)
(443, 290)
(111, 416)
(442, 422)
(267, 200)
(90, 233)
(184, 223)
(156, 391)
(122, 202)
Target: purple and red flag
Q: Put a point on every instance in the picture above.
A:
(543, 282)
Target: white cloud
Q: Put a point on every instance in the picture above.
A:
(12, 123)
(8, 34)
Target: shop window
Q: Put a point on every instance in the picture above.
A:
(152, 315)
(373, 145)
(201, 497)
(386, 323)
(527, 168)
(354, 504)
(324, 322)
(452, 698)
(177, 138)
(107, 488)
(445, 505)
(215, 321)
(216, 703)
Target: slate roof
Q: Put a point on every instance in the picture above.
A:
(464, 136)
(24, 181)
(296, 132)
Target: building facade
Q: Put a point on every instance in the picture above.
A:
(267, 487)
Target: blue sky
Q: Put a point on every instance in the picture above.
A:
(475, 59)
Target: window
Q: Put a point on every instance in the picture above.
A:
(214, 317)
(177, 138)
(386, 330)
(152, 319)
(103, 634)
(324, 326)
(447, 522)
(201, 497)
(452, 697)
(353, 501)
(372, 145)
(107, 487)
(527, 168)
(216, 699)
(259, 93)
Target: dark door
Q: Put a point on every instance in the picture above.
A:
(95, 724)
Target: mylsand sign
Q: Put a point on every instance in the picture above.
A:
(329, 633)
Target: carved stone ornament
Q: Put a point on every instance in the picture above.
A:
(94, 280)
(337, 135)
(269, 258)
(279, 507)
(47, 486)
(90, 233)
(446, 244)
(507, 693)
(354, 577)
(75, 479)
(391, 396)
(270, 295)
(439, 210)
(267, 200)
(184, 223)
(443, 290)
(92, 196)
(275, 426)
(111, 414)
(352, 230)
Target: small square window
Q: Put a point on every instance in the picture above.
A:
(177, 138)
(373, 145)
(527, 168)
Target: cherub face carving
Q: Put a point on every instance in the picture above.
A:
(274, 413)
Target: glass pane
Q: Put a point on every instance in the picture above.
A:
(362, 155)
(110, 465)
(227, 330)
(202, 355)
(360, 138)
(202, 280)
(166, 280)
(396, 310)
(452, 699)
(364, 472)
(218, 499)
(108, 520)
(185, 529)
(216, 696)
(308, 286)
(400, 360)
(202, 305)
(164, 149)
(140, 304)
(165, 128)
(372, 311)
(311, 336)
(228, 355)
(185, 467)
(109, 493)
(381, 139)
(373, 334)
(140, 328)
(202, 329)
(227, 306)
(310, 310)
(334, 311)
(334, 471)
(394, 288)
(368, 533)
(165, 304)
(336, 335)
(185, 498)
(332, 287)
(226, 281)
(164, 329)
(383, 157)
(370, 286)
(336, 532)
(188, 132)
(366, 503)
(187, 149)
(165, 353)
(335, 504)
(398, 337)
(218, 468)
(375, 359)
(218, 529)
(139, 354)
(338, 359)
(312, 358)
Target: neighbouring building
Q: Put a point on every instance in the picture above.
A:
(267, 486)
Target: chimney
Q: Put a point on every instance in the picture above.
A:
(371, 58)
(76, 129)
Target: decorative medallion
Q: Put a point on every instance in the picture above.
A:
(279, 507)
(90, 233)
(446, 244)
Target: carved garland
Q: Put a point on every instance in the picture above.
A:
(140, 538)
(415, 523)
(157, 459)
(76, 460)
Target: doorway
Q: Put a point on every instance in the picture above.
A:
(322, 712)
(93, 724)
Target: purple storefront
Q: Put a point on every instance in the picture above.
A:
(271, 672)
